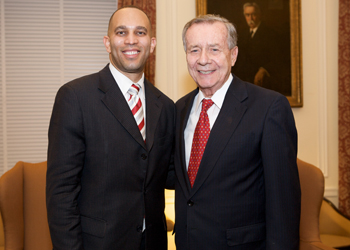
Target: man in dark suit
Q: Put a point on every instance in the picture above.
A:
(262, 59)
(235, 156)
(107, 167)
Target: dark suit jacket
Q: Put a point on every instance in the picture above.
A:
(246, 194)
(102, 179)
(265, 49)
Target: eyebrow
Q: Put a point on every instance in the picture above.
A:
(193, 46)
(124, 27)
(209, 45)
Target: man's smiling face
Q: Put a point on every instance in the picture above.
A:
(129, 41)
(209, 59)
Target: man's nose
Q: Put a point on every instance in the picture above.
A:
(203, 58)
(131, 38)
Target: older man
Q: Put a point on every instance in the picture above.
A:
(263, 59)
(235, 158)
(110, 142)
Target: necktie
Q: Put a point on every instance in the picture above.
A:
(200, 138)
(136, 108)
(251, 33)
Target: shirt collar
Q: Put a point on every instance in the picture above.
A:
(218, 97)
(123, 81)
(255, 29)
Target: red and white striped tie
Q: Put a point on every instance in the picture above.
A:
(136, 108)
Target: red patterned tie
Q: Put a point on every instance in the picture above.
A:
(136, 108)
(200, 138)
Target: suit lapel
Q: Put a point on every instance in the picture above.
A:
(153, 110)
(228, 119)
(116, 103)
(184, 115)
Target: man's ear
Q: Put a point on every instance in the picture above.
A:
(153, 44)
(107, 43)
(234, 54)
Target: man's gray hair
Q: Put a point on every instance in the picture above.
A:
(210, 18)
(255, 5)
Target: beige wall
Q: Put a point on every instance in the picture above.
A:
(317, 120)
(171, 69)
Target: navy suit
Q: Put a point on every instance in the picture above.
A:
(102, 179)
(246, 194)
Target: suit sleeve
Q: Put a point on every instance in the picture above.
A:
(170, 182)
(279, 154)
(66, 152)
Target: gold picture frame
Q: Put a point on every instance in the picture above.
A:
(295, 97)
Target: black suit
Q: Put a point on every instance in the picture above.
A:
(102, 179)
(246, 194)
(265, 49)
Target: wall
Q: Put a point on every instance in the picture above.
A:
(316, 121)
(171, 70)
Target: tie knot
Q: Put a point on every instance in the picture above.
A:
(206, 104)
(134, 89)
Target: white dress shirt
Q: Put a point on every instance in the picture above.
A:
(213, 112)
(254, 30)
(124, 84)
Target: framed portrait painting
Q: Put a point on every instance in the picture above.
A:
(269, 42)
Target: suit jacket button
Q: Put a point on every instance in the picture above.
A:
(139, 229)
(190, 203)
(144, 157)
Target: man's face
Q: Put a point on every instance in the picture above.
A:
(209, 59)
(129, 41)
(251, 16)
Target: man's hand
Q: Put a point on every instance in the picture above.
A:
(260, 75)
